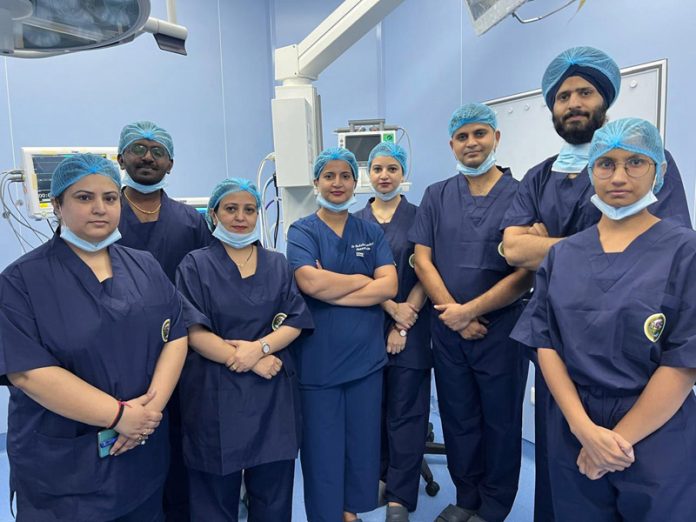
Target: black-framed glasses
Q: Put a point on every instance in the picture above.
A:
(140, 150)
(604, 168)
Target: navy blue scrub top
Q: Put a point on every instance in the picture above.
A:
(563, 205)
(417, 354)
(233, 421)
(464, 234)
(109, 334)
(178, 230)
(614, 318)
(348, 342)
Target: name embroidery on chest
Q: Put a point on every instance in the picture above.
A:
(362, 248)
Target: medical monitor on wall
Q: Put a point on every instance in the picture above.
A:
(38, 164)
(486, 13)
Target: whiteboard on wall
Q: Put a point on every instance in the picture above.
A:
(527, 135)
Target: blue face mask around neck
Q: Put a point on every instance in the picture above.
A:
(335, 207)
(236, 240)
(388, 196)
(144, 189)
(70, 237)
(619, 213)
(572, 158)
(484, 167)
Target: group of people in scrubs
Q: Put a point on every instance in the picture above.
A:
(158, 359)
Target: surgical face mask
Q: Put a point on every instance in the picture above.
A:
(236, 240)
(70, 237)
(572, 158)
(388, 196)
(144, 189)
(335, 207)
(484, 167)
(619, 213)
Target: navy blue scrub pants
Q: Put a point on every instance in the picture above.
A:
(405, 411)
(215, 498)
(659, 486)
(543, 504)
(480, 386)
(175, 501)
(340, 448)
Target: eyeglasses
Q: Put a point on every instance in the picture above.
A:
(140, 150)
(604, 168)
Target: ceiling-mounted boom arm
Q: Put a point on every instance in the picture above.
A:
(341, 29)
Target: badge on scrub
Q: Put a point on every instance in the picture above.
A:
(412, 260)
(166, 326)
(278, 320)
(653, 327)
(106, 439)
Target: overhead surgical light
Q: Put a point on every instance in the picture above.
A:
(487, 13)
(40, 28)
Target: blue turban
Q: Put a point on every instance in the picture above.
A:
(145, 130)
(229, 186)
(75, 167)
(590, 64)
(633, 135)
(391, 150)
(335, 153)
(472, 113)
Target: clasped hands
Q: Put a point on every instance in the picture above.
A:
(459, 318)
(137, 423)
(249, 357)
(603, 451)
(405, 316)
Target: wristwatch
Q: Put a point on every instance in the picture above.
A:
(265, 347)
(402, 333)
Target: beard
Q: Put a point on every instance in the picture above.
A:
(578, 133)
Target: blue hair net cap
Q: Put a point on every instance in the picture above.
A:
(593, 65)
(389, 149)
(74, 168)
(335, 153)
(229, 186)
(145, 130)
(634, 135)
(472, 113)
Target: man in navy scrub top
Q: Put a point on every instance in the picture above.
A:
(479, 370)
(169, 230)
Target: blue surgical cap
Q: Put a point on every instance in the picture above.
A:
(633, 135)
(74, 168)
(389, 149)
(335, 153)
(145, 130)
(229, 186)
(472, 113)
(590, 64)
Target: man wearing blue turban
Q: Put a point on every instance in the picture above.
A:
(553, 200)
(168, 229)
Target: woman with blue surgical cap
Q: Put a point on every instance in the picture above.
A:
(345, 269)
(93, 344)
(406, 392)
(613, 319)
(239, 401)
(479, 370)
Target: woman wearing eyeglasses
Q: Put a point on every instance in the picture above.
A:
(93, 340)
(614, 321)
